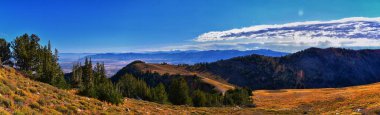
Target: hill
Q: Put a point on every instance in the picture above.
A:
(141, 67)
(310, 68)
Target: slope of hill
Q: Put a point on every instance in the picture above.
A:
(219, 84)
(311, 68)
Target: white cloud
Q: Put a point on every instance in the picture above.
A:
(356, 32)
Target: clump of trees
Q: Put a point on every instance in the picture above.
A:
(177, 91)
(37, 61)
(92, 82)
(132, 87)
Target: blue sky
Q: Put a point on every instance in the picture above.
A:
(137, 25)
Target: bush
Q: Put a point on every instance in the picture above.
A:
(5, 90)
(19, 100)
(35, 105)
(62, 109)
(5, 102)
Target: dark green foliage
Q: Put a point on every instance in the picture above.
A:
(37, 61)
(134, 88)
(108, 92)
(94, 83)
(199, 98)
(238, 96)
(159, 94)
(5, 53)
(179, 92)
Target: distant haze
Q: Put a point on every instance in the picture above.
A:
(115, 61)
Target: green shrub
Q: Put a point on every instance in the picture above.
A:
(33, 90)
(35, 105)
(42, 102)
(62, 109)
(5, 102)
(21, 93)
(19, 100)
(5, 90)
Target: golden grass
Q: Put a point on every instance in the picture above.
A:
(365, 98)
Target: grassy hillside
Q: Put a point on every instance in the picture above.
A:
(356, 99)
(310, 68)
(219, 84)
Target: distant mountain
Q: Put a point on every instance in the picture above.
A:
(310, 68)
(116, 61)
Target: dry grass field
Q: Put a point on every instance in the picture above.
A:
(356, 99)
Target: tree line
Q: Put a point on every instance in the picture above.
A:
(37, 61)
(179, 90)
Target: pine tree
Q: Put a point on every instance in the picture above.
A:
(5, 53)
(179, 92)
(159, 94)
(37, 61)
(88, 80)
(199, 98)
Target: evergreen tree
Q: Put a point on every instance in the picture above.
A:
(179, 92)
(238, 96)
(159, 94)
(37, 61)
(199, 98)
(76, 77)
(93, 82)
(88, 80)
(5, 53)
(25, 52)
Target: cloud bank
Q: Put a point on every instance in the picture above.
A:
(355, 33)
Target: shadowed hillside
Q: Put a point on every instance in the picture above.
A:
(310, 68)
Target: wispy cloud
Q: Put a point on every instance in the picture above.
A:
(356, 32)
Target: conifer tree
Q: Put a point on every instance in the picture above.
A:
(5, 53)
(199, 98)
(179, 92)
(159, 94)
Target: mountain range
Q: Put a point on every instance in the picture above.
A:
(115, 61)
